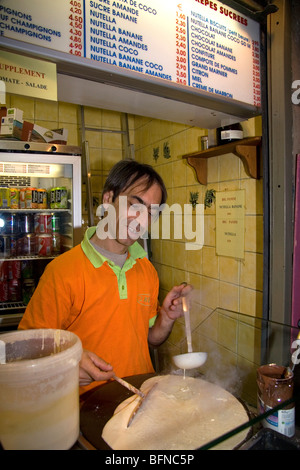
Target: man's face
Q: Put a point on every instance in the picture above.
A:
(133, 213)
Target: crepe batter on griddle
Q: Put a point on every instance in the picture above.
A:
(180, 414)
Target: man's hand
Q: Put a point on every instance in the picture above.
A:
(172, 304)
(170, 310)
(92, 367)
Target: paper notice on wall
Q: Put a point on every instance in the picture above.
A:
(22, 75)
(230, 223)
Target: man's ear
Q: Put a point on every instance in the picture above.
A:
(108, 197)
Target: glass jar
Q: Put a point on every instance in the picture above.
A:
(275, 386)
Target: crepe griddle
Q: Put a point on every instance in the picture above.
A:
(100, 406)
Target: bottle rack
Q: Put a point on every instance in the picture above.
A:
(248, 150)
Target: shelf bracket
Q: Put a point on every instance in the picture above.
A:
(249, 156)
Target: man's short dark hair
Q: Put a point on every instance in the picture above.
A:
(127, 172)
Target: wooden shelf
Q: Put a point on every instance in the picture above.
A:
(248, 150)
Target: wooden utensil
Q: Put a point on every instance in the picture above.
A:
(141, 401)
(129, 386)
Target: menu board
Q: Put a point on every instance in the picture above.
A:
(201, 44)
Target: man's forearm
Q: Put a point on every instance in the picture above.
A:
(161, 329)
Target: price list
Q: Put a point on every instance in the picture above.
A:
(200, 44)
(182, 59)
(256, 73)
(76, 44)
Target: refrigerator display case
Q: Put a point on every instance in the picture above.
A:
(40, 217)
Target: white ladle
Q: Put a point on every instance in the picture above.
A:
(190, 360)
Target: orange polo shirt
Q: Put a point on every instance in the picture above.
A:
(108, 307)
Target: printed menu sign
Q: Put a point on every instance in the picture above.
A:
(201, 44)
(30, 77)
(230, 223)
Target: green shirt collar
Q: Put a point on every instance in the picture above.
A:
(135, 251)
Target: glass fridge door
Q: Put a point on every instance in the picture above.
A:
(40, 218)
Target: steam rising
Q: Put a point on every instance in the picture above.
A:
(219, 368)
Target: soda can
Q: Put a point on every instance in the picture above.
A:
(29, 244)
(55, 221)
(26, 223)
(34, 198)
(12, 224)
(52, 198)
(44, 244)
(31, 198)
(26, 269)
(4, 291)
(3, 271)
(14, 198)
(36, 223)
(56, 243)
(27, 198)
(5, 198)
(14, 245)
(59, 198)
(42, 198)
(45, 225)
(14, 290)
(20, 242)
(4, 246)
(28, 288)
(14, 269)
(22, 198)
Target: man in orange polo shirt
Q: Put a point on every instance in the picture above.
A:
(105, 290)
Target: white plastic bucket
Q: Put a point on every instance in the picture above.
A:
(39, 389)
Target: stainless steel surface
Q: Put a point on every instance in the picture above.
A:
(10, 320)
(20, 146)
(281, 184)
(87, 176)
